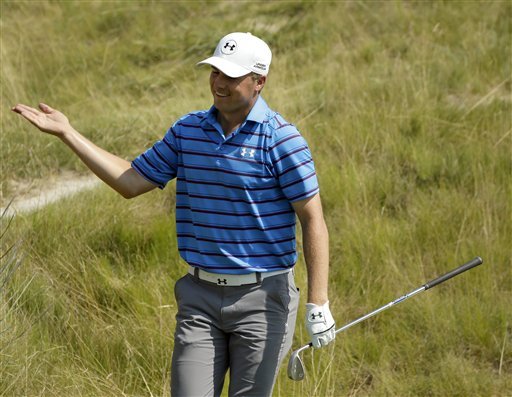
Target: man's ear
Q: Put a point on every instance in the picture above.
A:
(260, 83)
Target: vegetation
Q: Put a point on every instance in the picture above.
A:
(407, 110)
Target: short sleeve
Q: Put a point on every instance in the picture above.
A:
(293, 164)
(159, 164)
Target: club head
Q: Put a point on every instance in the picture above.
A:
(295, 367)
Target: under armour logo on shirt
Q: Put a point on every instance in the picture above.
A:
(314, 316)
(229, 47)
(222, 281)
(247, 152)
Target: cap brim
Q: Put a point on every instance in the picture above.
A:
(228, 68)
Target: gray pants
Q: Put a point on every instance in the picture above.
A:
(247, 329)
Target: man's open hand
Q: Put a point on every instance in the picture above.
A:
(47, 120)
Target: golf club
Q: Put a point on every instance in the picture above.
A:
(295, 365)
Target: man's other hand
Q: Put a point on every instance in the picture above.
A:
(320, 324)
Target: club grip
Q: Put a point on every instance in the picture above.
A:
(471, 264)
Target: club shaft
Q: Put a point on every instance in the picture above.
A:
(381, 309)
(469, 265)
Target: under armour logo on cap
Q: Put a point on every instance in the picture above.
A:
(238, 54)
(222, 281)
(229, 47)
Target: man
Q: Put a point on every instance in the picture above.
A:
(242, 173)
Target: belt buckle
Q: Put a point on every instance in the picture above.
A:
(222, 282)
(237, 280)
(227, 280)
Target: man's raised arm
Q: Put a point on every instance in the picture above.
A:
(113, 170)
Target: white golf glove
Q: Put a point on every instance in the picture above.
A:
(320, 324)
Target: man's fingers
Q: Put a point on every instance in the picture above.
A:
(24, 109)
(33, 118)
(45, 108)
(47, 119)
(30, 114)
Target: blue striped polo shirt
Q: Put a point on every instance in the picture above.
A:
(233, 195)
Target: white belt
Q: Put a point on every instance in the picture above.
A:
(233, 280)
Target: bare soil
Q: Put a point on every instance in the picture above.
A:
(30, 196)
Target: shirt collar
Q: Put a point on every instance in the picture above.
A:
(257, 113)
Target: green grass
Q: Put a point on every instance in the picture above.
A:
(407, 109)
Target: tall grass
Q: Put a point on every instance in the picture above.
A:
(407, 109)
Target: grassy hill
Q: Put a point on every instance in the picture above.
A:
(407, 109)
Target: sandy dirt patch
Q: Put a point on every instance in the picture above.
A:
(30, 196)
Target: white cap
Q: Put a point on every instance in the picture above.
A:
(238, 54)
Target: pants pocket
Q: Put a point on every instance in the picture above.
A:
(178, 287)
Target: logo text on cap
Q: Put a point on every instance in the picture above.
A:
(261, 66)
(229, 47)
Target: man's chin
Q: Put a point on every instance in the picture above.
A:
(221, 104)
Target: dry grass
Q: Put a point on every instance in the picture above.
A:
(406, 107)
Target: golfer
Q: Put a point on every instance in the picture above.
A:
(242, 174)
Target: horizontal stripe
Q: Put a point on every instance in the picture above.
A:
(145, 175)
(169, 145)
(172, 130)
(257, 216)
(280, 124)
(247, 188)
(190, 125)
(220, 241)
(201, 127)
(232, 144)
(187, 249)
(245, 145)
(311, 175)
(163, 158)
(298, 165)
(186, 138)
(304, 195)
(224, 227)
(300, 149)
(292, 136)
(255, 133)
(220, 267)
(222, 156)
(221, 170)
(148, 161)
(231, 200)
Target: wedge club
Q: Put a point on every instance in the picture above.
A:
(295, 365)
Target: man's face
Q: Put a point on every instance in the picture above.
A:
(234, 95)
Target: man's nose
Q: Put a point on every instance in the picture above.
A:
(221, 80)
(218, 83)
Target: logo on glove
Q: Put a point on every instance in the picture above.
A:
(320, 324)
(314, 316)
